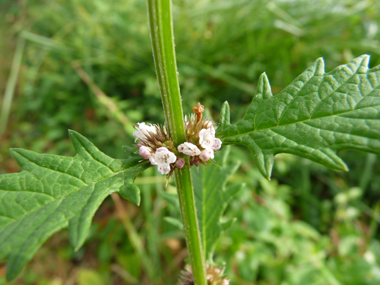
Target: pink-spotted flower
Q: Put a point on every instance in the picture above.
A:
(206, 154)
(208, 141)
(163, 158)
(189, 149)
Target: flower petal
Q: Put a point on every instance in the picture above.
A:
(217, 144)
(164, 169)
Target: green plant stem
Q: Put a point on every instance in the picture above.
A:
(161, 32)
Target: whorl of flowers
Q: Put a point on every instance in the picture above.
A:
(214, 275)
(156, 146)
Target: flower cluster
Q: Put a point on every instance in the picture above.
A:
(154, 143)
(214, 275)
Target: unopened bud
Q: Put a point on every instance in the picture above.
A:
(180, 162)
(194, 160)
(145, 152)
(206, 154)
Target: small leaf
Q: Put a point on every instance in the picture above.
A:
(174, 222)
(212, 198)
(224, 115)
(54, 192)
(317, 115)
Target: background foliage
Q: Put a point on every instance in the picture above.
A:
(308, 225)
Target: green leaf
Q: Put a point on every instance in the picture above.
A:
(54, 192)
(317, 115)
(212, 198)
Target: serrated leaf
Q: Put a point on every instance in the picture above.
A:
(54, 192)
(317, 115)
(212, 198)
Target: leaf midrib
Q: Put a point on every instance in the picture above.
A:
(302, 121)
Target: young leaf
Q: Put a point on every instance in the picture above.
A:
(53, 192)
(317, 115)
(212, 198)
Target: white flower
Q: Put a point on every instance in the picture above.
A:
(163, 158)
(217, 144)
(189, 149)
(152, 160)
(145, 152)
(143, 130)
(207, 137)
(164, 169)
(208, 141)
(206, 154)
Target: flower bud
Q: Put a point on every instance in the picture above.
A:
(194, 160)
(206, 154)
(180, 162)
(145, 152)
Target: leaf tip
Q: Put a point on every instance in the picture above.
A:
(264, 86)
(319, 66)
(13, 151)
(130, 192)
(265, 164)
(73, 134)
(365, 62)
(224, 115)
(17, 154)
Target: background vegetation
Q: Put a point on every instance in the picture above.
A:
(309, 225)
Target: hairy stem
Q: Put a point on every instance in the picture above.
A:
(161, 32)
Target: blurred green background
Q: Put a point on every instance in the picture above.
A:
(309, 225)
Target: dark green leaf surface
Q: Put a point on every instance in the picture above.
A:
(317, 115)
(53, 192)
(212, 198)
